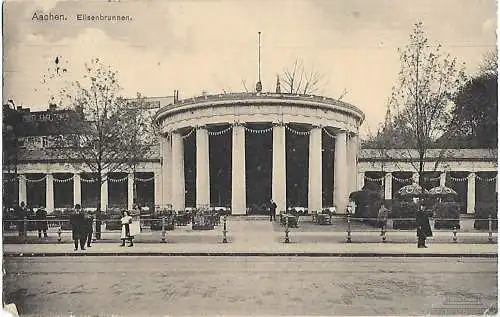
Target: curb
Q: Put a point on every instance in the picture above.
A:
(256, 254)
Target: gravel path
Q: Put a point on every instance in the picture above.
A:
(142, 286)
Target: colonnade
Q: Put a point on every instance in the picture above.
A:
(77, 192)
(470, 179)
(173, 189)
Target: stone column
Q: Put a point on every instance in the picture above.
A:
(202, 168)
(238, 172)
(158, 186)
(165, 189)
(352, 162)
(471, 193)
(22, 189)
(315, 201)
(130, 191)
(442, 179)
(340, 195)
(388, 186)
(104, 194)
(177, 181)
(361, 180)
(77, 189)
(49, 192)
(279, 168)
(496, 183)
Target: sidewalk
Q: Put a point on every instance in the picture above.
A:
(259, 238)
(266, 249)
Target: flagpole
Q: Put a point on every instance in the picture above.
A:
(258, 86)
(259, 56)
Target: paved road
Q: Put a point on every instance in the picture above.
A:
(139, 286)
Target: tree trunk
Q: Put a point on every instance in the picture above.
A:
(98, 214)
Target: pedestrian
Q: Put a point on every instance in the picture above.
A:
(423, 227)
(78, 227)
(272, 210)
(21, 212)
(30, 217)
(126, 221)
(383, 214)
(351, 207)
(41, 222)
(89, 229)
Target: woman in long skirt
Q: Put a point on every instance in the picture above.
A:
(126, 221)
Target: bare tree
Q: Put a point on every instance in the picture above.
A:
(422, 98)
(140, 133)
(104, 134)
(298, 80)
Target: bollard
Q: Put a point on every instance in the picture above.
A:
(490, 232)
(59, 234)
(224, 231)
(348, 228)
(94, 233)
(287, 239)
(163, 231)
(383, 233)
(454, 234)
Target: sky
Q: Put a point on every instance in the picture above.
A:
(211, 46)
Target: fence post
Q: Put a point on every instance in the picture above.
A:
(490, 230)
(454, 234)
(59, 234)
(224, 231)
(163, 231)
(287, 239)
(382, 233)
(348, 228)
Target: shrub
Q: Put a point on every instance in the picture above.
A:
(447, 215)
(483, 210)
(403, 209)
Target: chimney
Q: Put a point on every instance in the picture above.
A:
(19, 108)
(176, 96)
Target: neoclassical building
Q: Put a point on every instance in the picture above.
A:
(240, 150)
(275, 113)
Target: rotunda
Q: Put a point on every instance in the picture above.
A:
(239, 114)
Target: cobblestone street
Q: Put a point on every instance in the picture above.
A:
(139, 286)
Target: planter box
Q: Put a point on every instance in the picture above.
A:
(292, 220)
(404, 224)
(446, 224)
(203, 227)
(156, 225)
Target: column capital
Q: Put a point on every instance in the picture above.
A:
(278, 123)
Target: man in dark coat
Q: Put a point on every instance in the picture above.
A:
(272, 210)
(423, 227)
(21, 212)
(89, 219)
(78, 227)
(41, 222)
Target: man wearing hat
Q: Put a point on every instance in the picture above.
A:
(78, 227)
(41, 222)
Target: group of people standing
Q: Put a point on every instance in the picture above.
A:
(24, 214)
(422, 220)
(81, 227)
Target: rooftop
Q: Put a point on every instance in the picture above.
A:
(242, 97)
